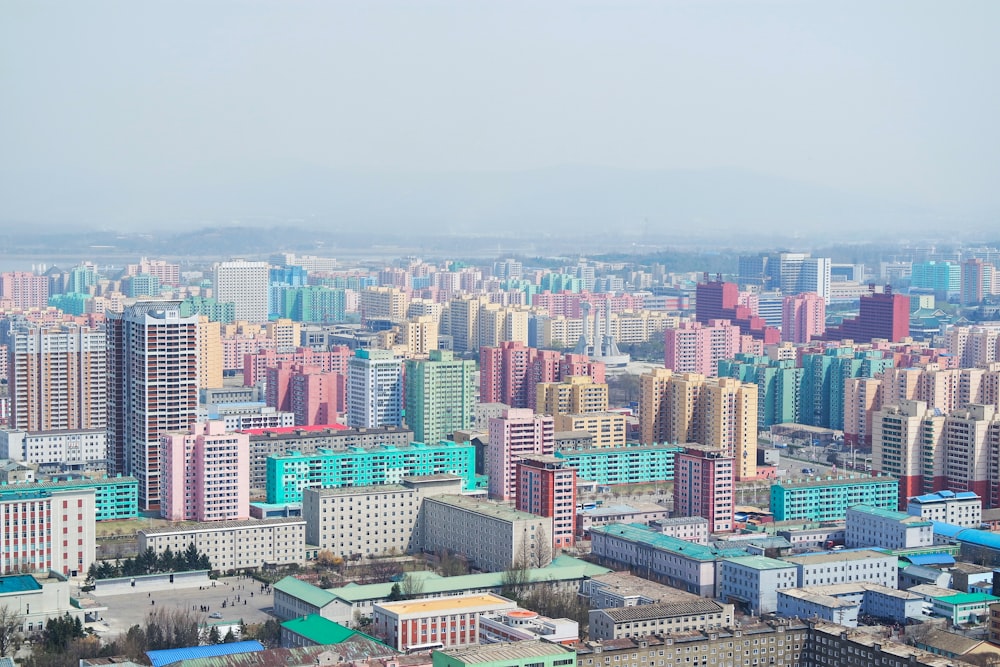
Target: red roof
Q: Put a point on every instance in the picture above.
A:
(293, 429)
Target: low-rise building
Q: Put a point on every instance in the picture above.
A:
(846, 603)
(842, 567)
(492, 536)
(687, 528)
(318, 631)
(964, 608)
(294, 598)
(62, 451)
(33, 599)
(753, 582)
(669, 560)
(424, 623)
(878, 527)
(815, 535)
(834, 645)
(233, 545)
(621, 513)
(531, 653)
(963, 508)
(515, 625)
(621, 589)
(661, 617)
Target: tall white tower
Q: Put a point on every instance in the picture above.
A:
(245, 284)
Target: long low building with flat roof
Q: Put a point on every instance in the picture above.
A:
(233, 545)
(842, 567)
(845, 603)
(409, 625)
(658, 618)
(685, 565)
(631, 464)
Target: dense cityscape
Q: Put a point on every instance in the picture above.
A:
(516, 460)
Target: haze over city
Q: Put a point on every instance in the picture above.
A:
(795, 118)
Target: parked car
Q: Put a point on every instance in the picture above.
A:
(215, 614)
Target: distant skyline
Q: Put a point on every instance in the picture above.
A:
(597, 118)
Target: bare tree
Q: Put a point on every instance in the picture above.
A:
(411, 586)
(11, 623)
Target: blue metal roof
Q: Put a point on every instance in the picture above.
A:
(167, 656)
(19, 583)
(947, 529)
(944, 495)
(983, 538)
(931, 559)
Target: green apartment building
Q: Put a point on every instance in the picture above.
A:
(440, 395)
(632, 464)
(289, 473)
(114, 497)
(828, 500)
(778, 384)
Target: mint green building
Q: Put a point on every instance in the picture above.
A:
(114, 497)
(631, 464)
(945, 278)
(215, 311)
(288, 474)
(821, 391)
(778, 385)
(440, 395)
(828, 500)
(527, 653)
(72, 303)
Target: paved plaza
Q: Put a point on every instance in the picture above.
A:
(126, 610)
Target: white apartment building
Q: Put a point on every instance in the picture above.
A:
(688, 528)
(374, 389)
(490, 535)
(960, 509)
(877, 527)
(844, 603)
(234, 545)
(754, 582)
(48, 529)
(841, 567)
(64, 450)
(246, 285)
(362, 522)
(450, 622)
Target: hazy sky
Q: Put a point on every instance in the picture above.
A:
(128, 112)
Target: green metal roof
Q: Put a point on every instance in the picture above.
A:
(318, 629)
(645, 535)
(968, 598)
(890, 514)
(306, 592)
(18, 583)
(562, 568)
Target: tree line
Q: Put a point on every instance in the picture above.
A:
(148, 562)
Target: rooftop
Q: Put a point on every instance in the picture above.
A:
(513, 651)
(455, 603)
(840, 481)
(18, 583)
(644, 535)
(944, 496)
(759, 562)
(167, 656)
(969, 598)
(311, 595)
(901, 517)
(645, 612)
(851, 588)
(496, 510)
(629, 585)
(321, 630)
(836, 556)
(633, 508)
(212, 526)
(286, 430)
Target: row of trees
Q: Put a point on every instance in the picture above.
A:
(148, 562)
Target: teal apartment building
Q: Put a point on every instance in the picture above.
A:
(828, 500)
(289, 473)
(440, 395)
(632, 464)
(114, 497)
(778, 386)
(821, 392)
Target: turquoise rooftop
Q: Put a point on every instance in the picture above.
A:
(640, 533)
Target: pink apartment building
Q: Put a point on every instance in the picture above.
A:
(204, 474)
(509, 372)
(315, 396)
(21, 289)
(518, 432)
(803, 317)
(697, 348)
(332, 361)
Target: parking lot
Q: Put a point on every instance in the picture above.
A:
(243, 600)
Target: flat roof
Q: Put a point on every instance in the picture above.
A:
(834, 556)
(969, 598)
(503, 651)
(496, 510)
(645, 612)
(850, 481)
(452, 602)
(901, 517)
(18, 583)
(759, 562)
(286, 430)
(645, 535)
(218, 525)
(634, 508)
(835, 590)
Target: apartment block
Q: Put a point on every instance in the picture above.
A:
(440, 395)
(204, 473)
(289, 473)
(529, 653)
(576, 394)
(658, 618)
(246, 285)
(546, 486)
(59, 450)
(48, 529)
(848, 566)
(492, 536)
(374, 389)
(959, 509)
(752, 582)
(828, 500)
(693, 347)
(233, 545)
(518, 432)
(607, 429)
(114, 497)
(703, 486)
(631, 464)
(886, 528)
(369, 521)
